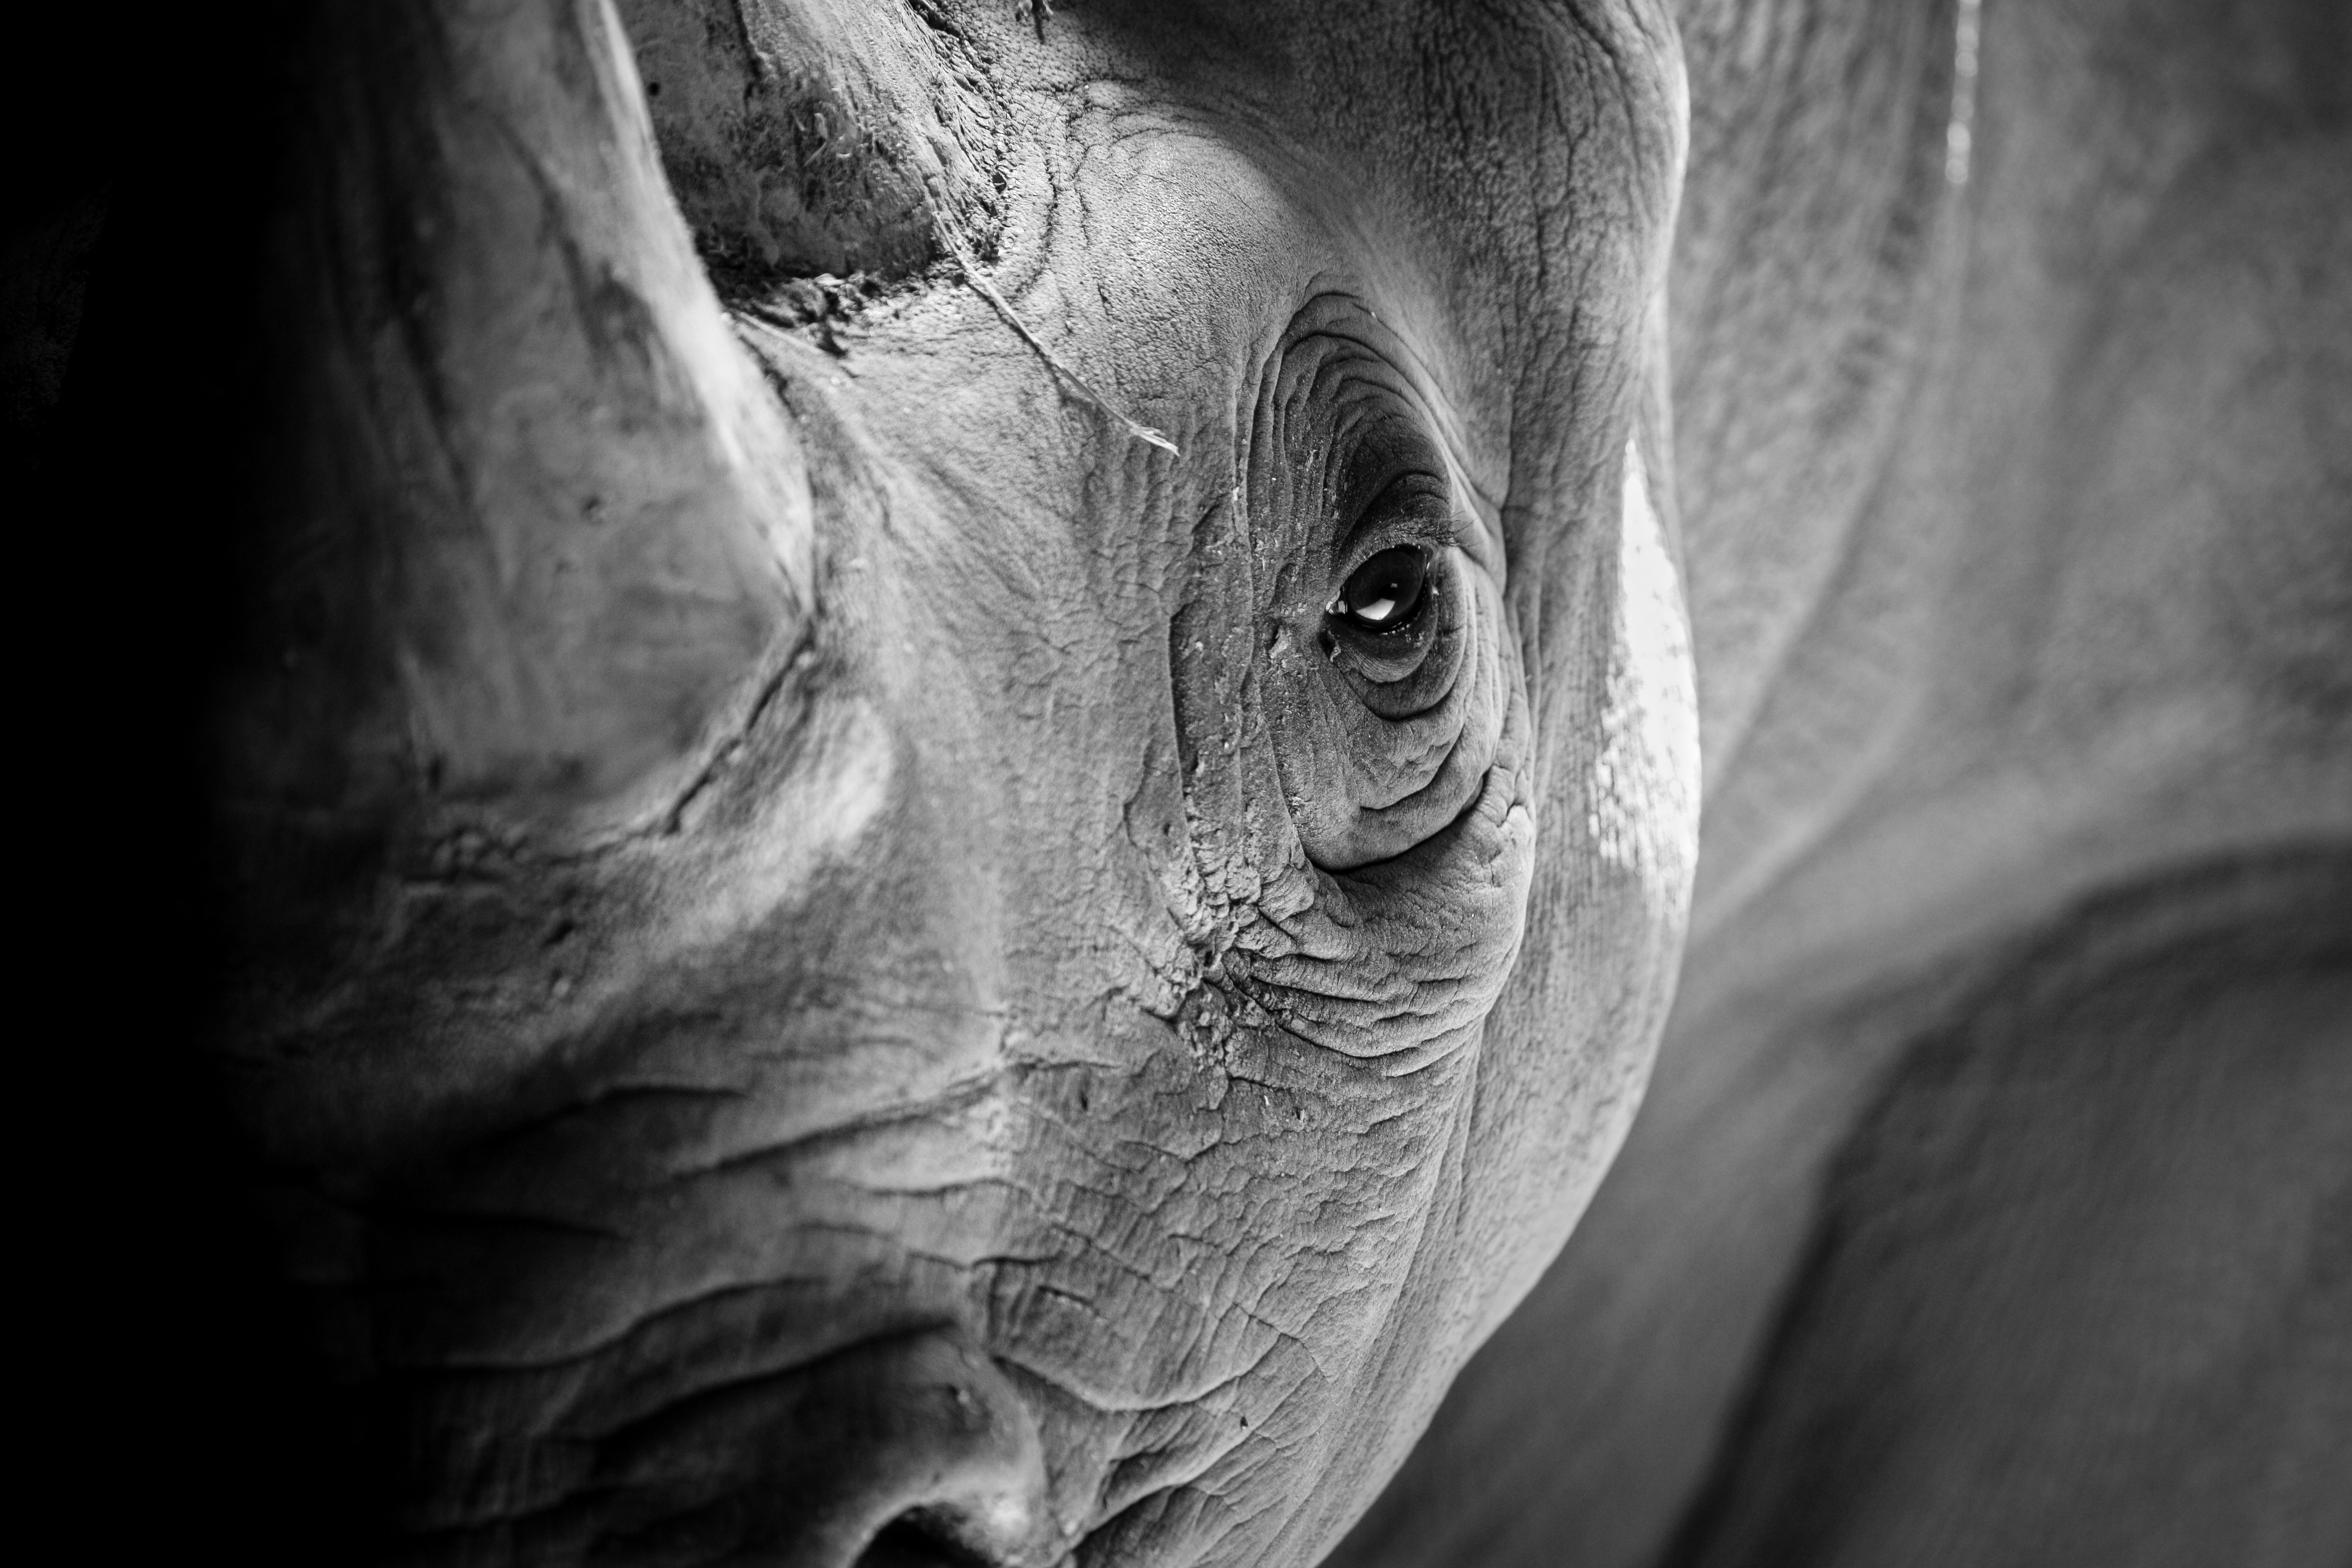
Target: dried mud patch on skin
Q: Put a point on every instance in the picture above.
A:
(1215, 906)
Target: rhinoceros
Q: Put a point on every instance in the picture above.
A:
(1992, 1200)
(950, 760)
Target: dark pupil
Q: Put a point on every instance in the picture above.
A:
(1385, 591)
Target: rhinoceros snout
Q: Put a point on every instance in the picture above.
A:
(907, 1451)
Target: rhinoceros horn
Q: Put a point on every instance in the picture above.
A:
(546, 522)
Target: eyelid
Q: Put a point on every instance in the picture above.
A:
(1364, 551)
(1379, 528)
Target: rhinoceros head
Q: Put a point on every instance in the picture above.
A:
(986, 911)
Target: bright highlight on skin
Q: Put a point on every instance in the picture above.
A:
(1958, 133)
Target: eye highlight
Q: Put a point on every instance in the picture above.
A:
(1386, 593)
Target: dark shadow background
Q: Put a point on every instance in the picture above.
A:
(167, 1413)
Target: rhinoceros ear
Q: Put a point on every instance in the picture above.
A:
(536, 522)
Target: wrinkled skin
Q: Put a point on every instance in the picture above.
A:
(837, 953)
(1989, 1203)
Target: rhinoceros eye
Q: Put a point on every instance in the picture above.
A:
(1386, 593)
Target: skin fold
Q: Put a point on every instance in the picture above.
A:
(2018, 530)
(759, 906)
(836, 957)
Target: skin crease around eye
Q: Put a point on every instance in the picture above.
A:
(1378, 758)
(1386, 687)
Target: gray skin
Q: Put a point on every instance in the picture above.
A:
(822, 944)
(1990, 1203)
(838, 957)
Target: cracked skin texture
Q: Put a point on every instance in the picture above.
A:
(747, 855)
(1978, 482)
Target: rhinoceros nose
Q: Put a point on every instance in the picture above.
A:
(911, 1452)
